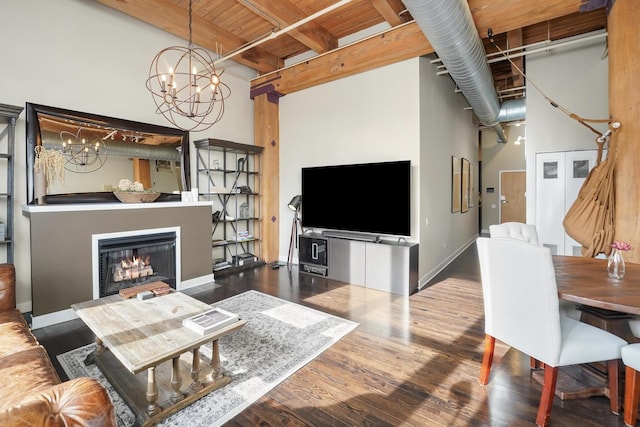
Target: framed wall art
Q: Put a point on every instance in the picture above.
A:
(456, 184)
(464, 207)
(472, 186)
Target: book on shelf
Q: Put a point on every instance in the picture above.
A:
(243, 235)
(220, 264)
(210, 321)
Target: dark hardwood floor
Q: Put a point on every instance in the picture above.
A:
(412, 361)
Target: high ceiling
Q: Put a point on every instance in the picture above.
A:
(230, 25)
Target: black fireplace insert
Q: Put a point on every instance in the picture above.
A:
(130, 261)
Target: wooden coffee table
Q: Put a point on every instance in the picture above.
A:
(141, 335)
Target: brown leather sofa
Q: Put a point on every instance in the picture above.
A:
(31, 393)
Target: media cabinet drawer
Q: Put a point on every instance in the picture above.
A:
(314, 269)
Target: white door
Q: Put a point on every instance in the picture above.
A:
(559, 176)
(550, 195)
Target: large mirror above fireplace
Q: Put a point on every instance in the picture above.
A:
(86, 155)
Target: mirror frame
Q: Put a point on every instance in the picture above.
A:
(34, 138)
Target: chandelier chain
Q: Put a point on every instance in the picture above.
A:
(190, 26)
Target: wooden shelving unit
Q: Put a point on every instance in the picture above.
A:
(8, 118)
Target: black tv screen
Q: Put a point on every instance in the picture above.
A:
(367, 197)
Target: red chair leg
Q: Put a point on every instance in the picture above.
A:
(614, 389)
(548, 392)
(487, 359)
(631, 395)
(534, 363)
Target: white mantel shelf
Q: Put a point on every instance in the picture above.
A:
(27, 210)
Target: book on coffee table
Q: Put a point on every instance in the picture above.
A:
(210, 321)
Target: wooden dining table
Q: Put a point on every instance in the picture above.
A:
(603, 302)
(585, 281)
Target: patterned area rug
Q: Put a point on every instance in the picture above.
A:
(279, 338)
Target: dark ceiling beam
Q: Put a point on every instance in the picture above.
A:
(407, 41)
(312, 35)
(390, 10)
(174, 19)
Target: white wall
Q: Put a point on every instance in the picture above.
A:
(369, 117)
(81, 55)
(401, 111)
(446, 130)
(577, 79)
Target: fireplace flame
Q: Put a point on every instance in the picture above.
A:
(134, 262)
(134, 268)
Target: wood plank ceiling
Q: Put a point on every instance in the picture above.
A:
(228, 25)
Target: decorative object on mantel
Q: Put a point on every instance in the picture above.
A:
(133, 192)
(135, 197)
(190, 93)
(615, 263)
(50, 163)
(48, 168)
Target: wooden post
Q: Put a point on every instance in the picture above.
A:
(624, 104)
(267, 134)
(142, 172)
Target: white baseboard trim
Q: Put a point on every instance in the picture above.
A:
(192, 283)
(24, 307)
(434, 272)
(49, 319)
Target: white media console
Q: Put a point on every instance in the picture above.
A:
(390, 266)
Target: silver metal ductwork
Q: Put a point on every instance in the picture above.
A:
(511, 110)
(51, 140)
(449, 27)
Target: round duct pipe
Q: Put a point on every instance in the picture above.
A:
(51, 140)
(449, 27)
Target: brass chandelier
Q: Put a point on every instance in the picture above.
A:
(190, 93)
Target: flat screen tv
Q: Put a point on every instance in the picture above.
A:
(368, 197)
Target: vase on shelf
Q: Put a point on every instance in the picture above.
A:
(615, 264)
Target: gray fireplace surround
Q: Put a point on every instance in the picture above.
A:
(61, 247)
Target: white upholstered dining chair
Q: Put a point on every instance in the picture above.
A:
(528, 233)
(515, 230)
(527, 317)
